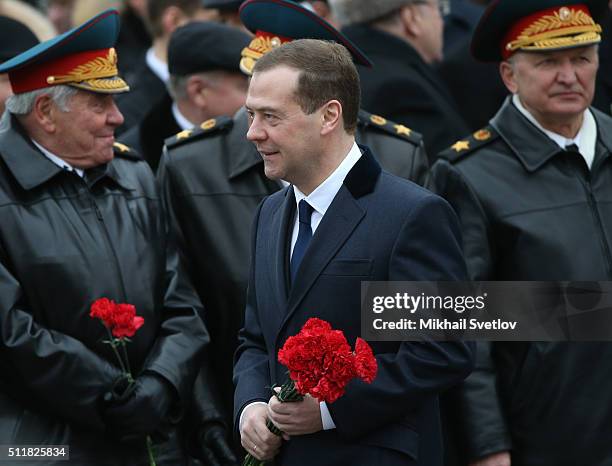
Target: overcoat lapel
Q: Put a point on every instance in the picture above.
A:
(278, 247)
(343, 215)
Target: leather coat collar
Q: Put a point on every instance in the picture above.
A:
(532, 147)
(31, 168)
(244, 155)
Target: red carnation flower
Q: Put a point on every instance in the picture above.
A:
(103, 309)
(321, 363)
(126, 322)
(365, 362)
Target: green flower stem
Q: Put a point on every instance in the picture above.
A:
(112, 342)
(125, 367)
(150, 451)
(287, 394)
(127, 361)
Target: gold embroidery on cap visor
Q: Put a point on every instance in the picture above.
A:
(565, 28)
(258, 47)
(98, 75)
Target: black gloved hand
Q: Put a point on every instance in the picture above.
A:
(213, 447)
(141, 409)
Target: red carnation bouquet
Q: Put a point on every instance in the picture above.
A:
(121, 322)
(321, 364)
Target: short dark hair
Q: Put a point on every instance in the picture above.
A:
(326, 71)
(155, 10)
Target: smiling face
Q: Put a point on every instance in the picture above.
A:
(553, 86)
(288, 140)
(84, 135)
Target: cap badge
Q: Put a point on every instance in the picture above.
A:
(564, 13)
(261, 44)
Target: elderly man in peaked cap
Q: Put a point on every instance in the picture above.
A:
(81, 220)
(532, 190)
(213, 180)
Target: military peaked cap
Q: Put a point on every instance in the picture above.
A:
(275, 22)
(508, 26)
(83, 57)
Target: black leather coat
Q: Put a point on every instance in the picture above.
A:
(531, 211)
(64, 242)
(212, 181)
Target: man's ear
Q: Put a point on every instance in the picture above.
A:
(331, 116)
(507, 73)
(410, 20)
(197, 88)
(44, 112)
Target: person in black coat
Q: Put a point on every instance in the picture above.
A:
(532, 193)
(82, 219)
(403, 39)
(204, 85)
(150, 75)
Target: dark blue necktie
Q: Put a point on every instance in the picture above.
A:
(304, 236)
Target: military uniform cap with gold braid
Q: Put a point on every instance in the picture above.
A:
(509, 26)
(83, 57)
(275, 22)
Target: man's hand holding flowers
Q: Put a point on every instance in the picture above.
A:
(142, 410)
(297, 418)
(255, 436)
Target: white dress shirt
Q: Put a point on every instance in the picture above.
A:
(320, 200)
(181, 120)
(159, 68)
(585, 139)
(57, 161)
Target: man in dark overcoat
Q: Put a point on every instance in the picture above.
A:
(341, 221)
(82, 220)
(404, 40)
(213, 180)
(532, 190)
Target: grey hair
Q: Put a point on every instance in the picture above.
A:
(22, 104)
(177, 85)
